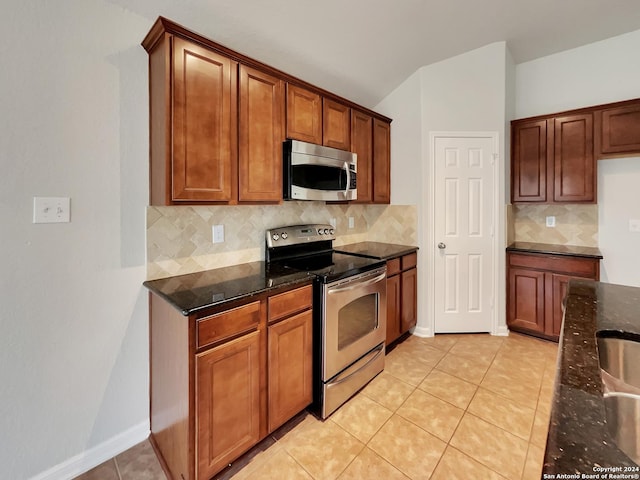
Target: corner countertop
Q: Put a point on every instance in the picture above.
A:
(381, 251)
(578, 440)
(198, 291)
(546, 248)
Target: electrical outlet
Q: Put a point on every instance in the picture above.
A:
(551, 221)
(352, 223)
(218, 233)
(333, 222)
(51, 209)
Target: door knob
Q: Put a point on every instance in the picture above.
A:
(441, 246)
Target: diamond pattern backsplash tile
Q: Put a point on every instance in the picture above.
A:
(179, 239)
(575, 224)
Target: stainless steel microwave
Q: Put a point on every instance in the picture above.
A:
(314, 172)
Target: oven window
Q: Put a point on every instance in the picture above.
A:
(319, 177)
(357, 319)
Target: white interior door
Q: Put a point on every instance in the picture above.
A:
(463, 232)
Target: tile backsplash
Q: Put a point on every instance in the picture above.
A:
(575, 224)
(179, 239)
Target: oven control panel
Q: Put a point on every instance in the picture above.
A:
(299, 234)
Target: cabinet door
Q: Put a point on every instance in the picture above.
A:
(574, 164)
(619, 130)
(336, 125)
(381, 161)
(261, 136)
(409, 315)
(290, 367)
(526, 299)
(204, 124)
(362, 145)
(227, 402)
(559, 285)
(529, 161)
(304, 115)
(393, 308)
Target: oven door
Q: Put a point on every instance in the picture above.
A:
(355, 315)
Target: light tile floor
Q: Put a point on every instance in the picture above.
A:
(445, 408)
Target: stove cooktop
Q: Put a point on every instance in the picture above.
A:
(309, 248)
(329, 266)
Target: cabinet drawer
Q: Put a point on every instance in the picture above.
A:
(288, 303)
(228, 323)
(393, 266)
(582, 267)
(409, 261)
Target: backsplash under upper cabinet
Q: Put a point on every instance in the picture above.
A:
(179, 239)
(575, 224)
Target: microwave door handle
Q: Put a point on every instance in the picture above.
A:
(346, 188)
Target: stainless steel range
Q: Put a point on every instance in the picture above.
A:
(350, 305)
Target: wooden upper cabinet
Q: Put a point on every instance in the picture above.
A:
(529, 161)
(573, 161)
(261, 133)
(336, 125)
(381, 161)
(203, 123)
(362, 146)
(618, 130)
(304, 115)
(552, 160)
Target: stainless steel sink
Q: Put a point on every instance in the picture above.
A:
(620, 371)
(620, 358)
(623, 422)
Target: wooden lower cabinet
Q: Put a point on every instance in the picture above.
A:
(228, 402)
(409, 314)
(290, 367)
(224, 378)
(402, 294)
(394, 300)
(537, 284)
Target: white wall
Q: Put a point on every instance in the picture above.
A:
(73, 313)
(464, 93)
(619, 202)
(602, 72)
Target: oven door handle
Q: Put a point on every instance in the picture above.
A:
(373, 354)
(351, 286)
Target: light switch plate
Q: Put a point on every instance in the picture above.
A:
(51, 209)
(351, 222)
(634, 225)
(551, 221)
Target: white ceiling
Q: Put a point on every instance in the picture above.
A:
(363, 49)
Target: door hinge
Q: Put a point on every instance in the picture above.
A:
(494, 159)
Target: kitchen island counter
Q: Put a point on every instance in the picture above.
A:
(579, 441)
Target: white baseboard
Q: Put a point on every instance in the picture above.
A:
(501, 331)
(96, 455)
(422, 332)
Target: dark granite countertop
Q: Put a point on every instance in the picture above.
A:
(570, 250)
(197, 291)
(381, 251)
(579, 441)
